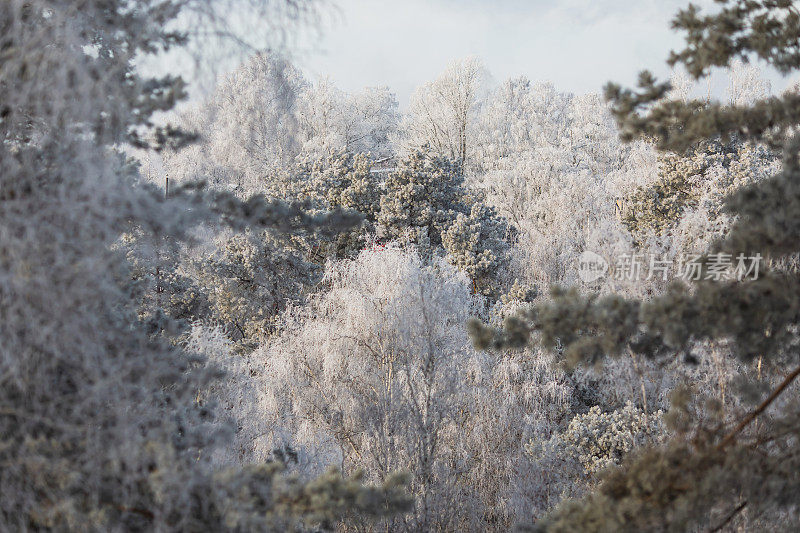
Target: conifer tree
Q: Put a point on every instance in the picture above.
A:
(717, 469)
(102, 427)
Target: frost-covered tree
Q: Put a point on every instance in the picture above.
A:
(478, 244)
(375, 372)
(380, 368)
(519, 115)
(345, 181)
(566, 464)
(686, 200)
(442, 113)
(720, 468)
(698, 181)
(425, 201)
(550, 163)
(265, 118)
(601, 439)
(747, 83)
(332, 121)
(248, 281)
(157, 280)
(247, 127)
(100, 423)
(422, 196)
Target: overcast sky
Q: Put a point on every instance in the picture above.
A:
(577, 44)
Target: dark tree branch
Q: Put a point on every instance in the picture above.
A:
(728, 519)
(730, 437)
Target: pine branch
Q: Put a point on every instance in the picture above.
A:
(730, 437)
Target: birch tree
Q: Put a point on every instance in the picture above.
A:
(442, 113)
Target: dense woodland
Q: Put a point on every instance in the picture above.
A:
(283, 306)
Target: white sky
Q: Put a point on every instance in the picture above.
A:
(579, 45)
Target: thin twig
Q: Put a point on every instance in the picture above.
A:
(730, 517)
(729, 438)
(137, 510)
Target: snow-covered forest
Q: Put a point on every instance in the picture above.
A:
(286, 306)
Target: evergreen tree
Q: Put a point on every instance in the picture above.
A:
(102, 423)
(717, 469)
(702, 177)
(426, 201)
